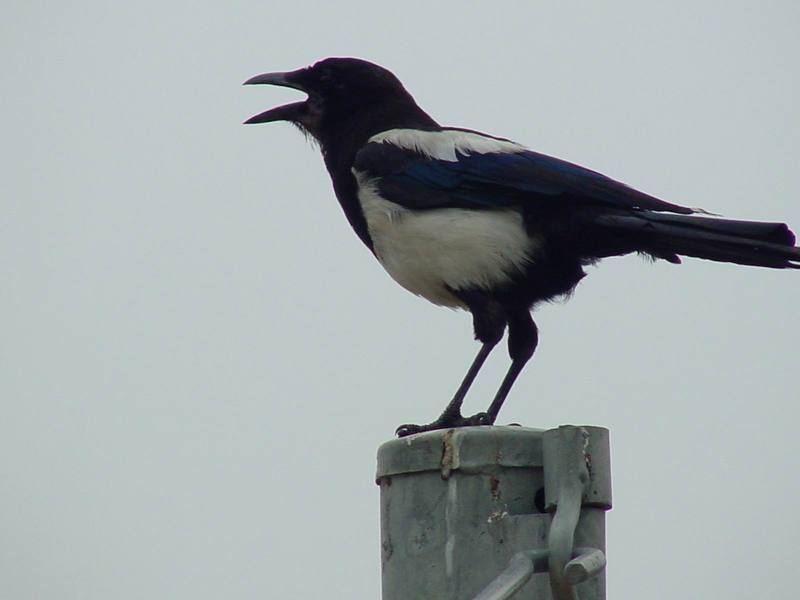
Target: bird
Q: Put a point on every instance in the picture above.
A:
(473, 221)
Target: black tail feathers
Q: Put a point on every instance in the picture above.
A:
(667, 236)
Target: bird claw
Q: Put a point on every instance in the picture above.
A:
(408, 429)
(480, 418)
(449, 422)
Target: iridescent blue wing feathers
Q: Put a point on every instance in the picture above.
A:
(494, 180)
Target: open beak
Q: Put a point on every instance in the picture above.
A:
(287, 112)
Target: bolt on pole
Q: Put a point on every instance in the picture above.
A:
(493, 513)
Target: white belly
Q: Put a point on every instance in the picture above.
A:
(429, 251)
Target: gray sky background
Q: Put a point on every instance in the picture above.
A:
(199, 359)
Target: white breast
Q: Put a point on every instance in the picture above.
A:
(428, 251)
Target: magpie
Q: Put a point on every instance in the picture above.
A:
(477, 222)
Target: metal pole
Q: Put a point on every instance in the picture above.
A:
(465, 514)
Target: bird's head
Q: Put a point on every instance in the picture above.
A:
(344, 94)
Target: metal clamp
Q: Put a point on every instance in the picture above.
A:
(577, 477)
(568, 453)
(586, 563)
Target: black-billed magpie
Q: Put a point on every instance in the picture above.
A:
(478, 222)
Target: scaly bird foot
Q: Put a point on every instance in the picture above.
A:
(445, 422)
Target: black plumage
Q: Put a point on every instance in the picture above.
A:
(475, 221)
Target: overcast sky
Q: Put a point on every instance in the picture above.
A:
(198, 357)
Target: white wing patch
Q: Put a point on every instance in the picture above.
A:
(429, 251)
(443, 145)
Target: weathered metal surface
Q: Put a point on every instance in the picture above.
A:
(467, 448)
(455, 507)
(516, 575)
(578, 489)
(596, 448)
(461, 507)
(586, 563)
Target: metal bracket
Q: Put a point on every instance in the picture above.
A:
(571, 484)
(586, 563)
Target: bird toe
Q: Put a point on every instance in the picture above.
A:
(477, 419)
(408, 429)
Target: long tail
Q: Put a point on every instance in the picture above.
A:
(667, 236)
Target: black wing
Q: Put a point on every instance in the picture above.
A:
(494, 180)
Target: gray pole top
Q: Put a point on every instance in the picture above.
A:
(468, 448)
(466, 513)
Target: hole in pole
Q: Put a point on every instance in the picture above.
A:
(538, 500)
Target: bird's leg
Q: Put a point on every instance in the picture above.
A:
(489, 327)
(523, 337)
(453, 410)
(451, 415)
